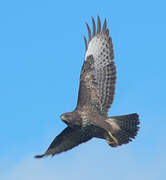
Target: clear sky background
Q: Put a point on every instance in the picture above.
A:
(41, 54)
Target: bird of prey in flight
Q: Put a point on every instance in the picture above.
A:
(96, 93)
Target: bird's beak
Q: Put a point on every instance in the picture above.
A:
(63, 117)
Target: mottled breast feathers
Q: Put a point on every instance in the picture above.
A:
(98, 75)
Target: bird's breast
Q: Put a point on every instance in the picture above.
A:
(85, 122)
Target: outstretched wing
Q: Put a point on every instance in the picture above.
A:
(66, 140)
(98, 74)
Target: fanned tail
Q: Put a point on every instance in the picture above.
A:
(124, 129)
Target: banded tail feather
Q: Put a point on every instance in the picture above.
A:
(124, 129)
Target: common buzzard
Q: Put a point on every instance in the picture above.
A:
(96, 93)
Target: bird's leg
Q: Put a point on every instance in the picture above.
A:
(114, 138)
(109, 141)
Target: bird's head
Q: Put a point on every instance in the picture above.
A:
(66, 118)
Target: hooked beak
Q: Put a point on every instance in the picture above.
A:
(64, 119)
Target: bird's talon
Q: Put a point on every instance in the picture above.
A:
(114, 138)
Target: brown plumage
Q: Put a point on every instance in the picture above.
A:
(96, 93)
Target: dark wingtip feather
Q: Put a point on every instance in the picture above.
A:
(98, 24)
(39, 156)
(86, 46)
(97, 29)
(89, 32)
(107, 32)
(94, 27)
(104, 26)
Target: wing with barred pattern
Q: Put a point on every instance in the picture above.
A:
(98, 75)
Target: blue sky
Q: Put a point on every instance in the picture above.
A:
(41, 54)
